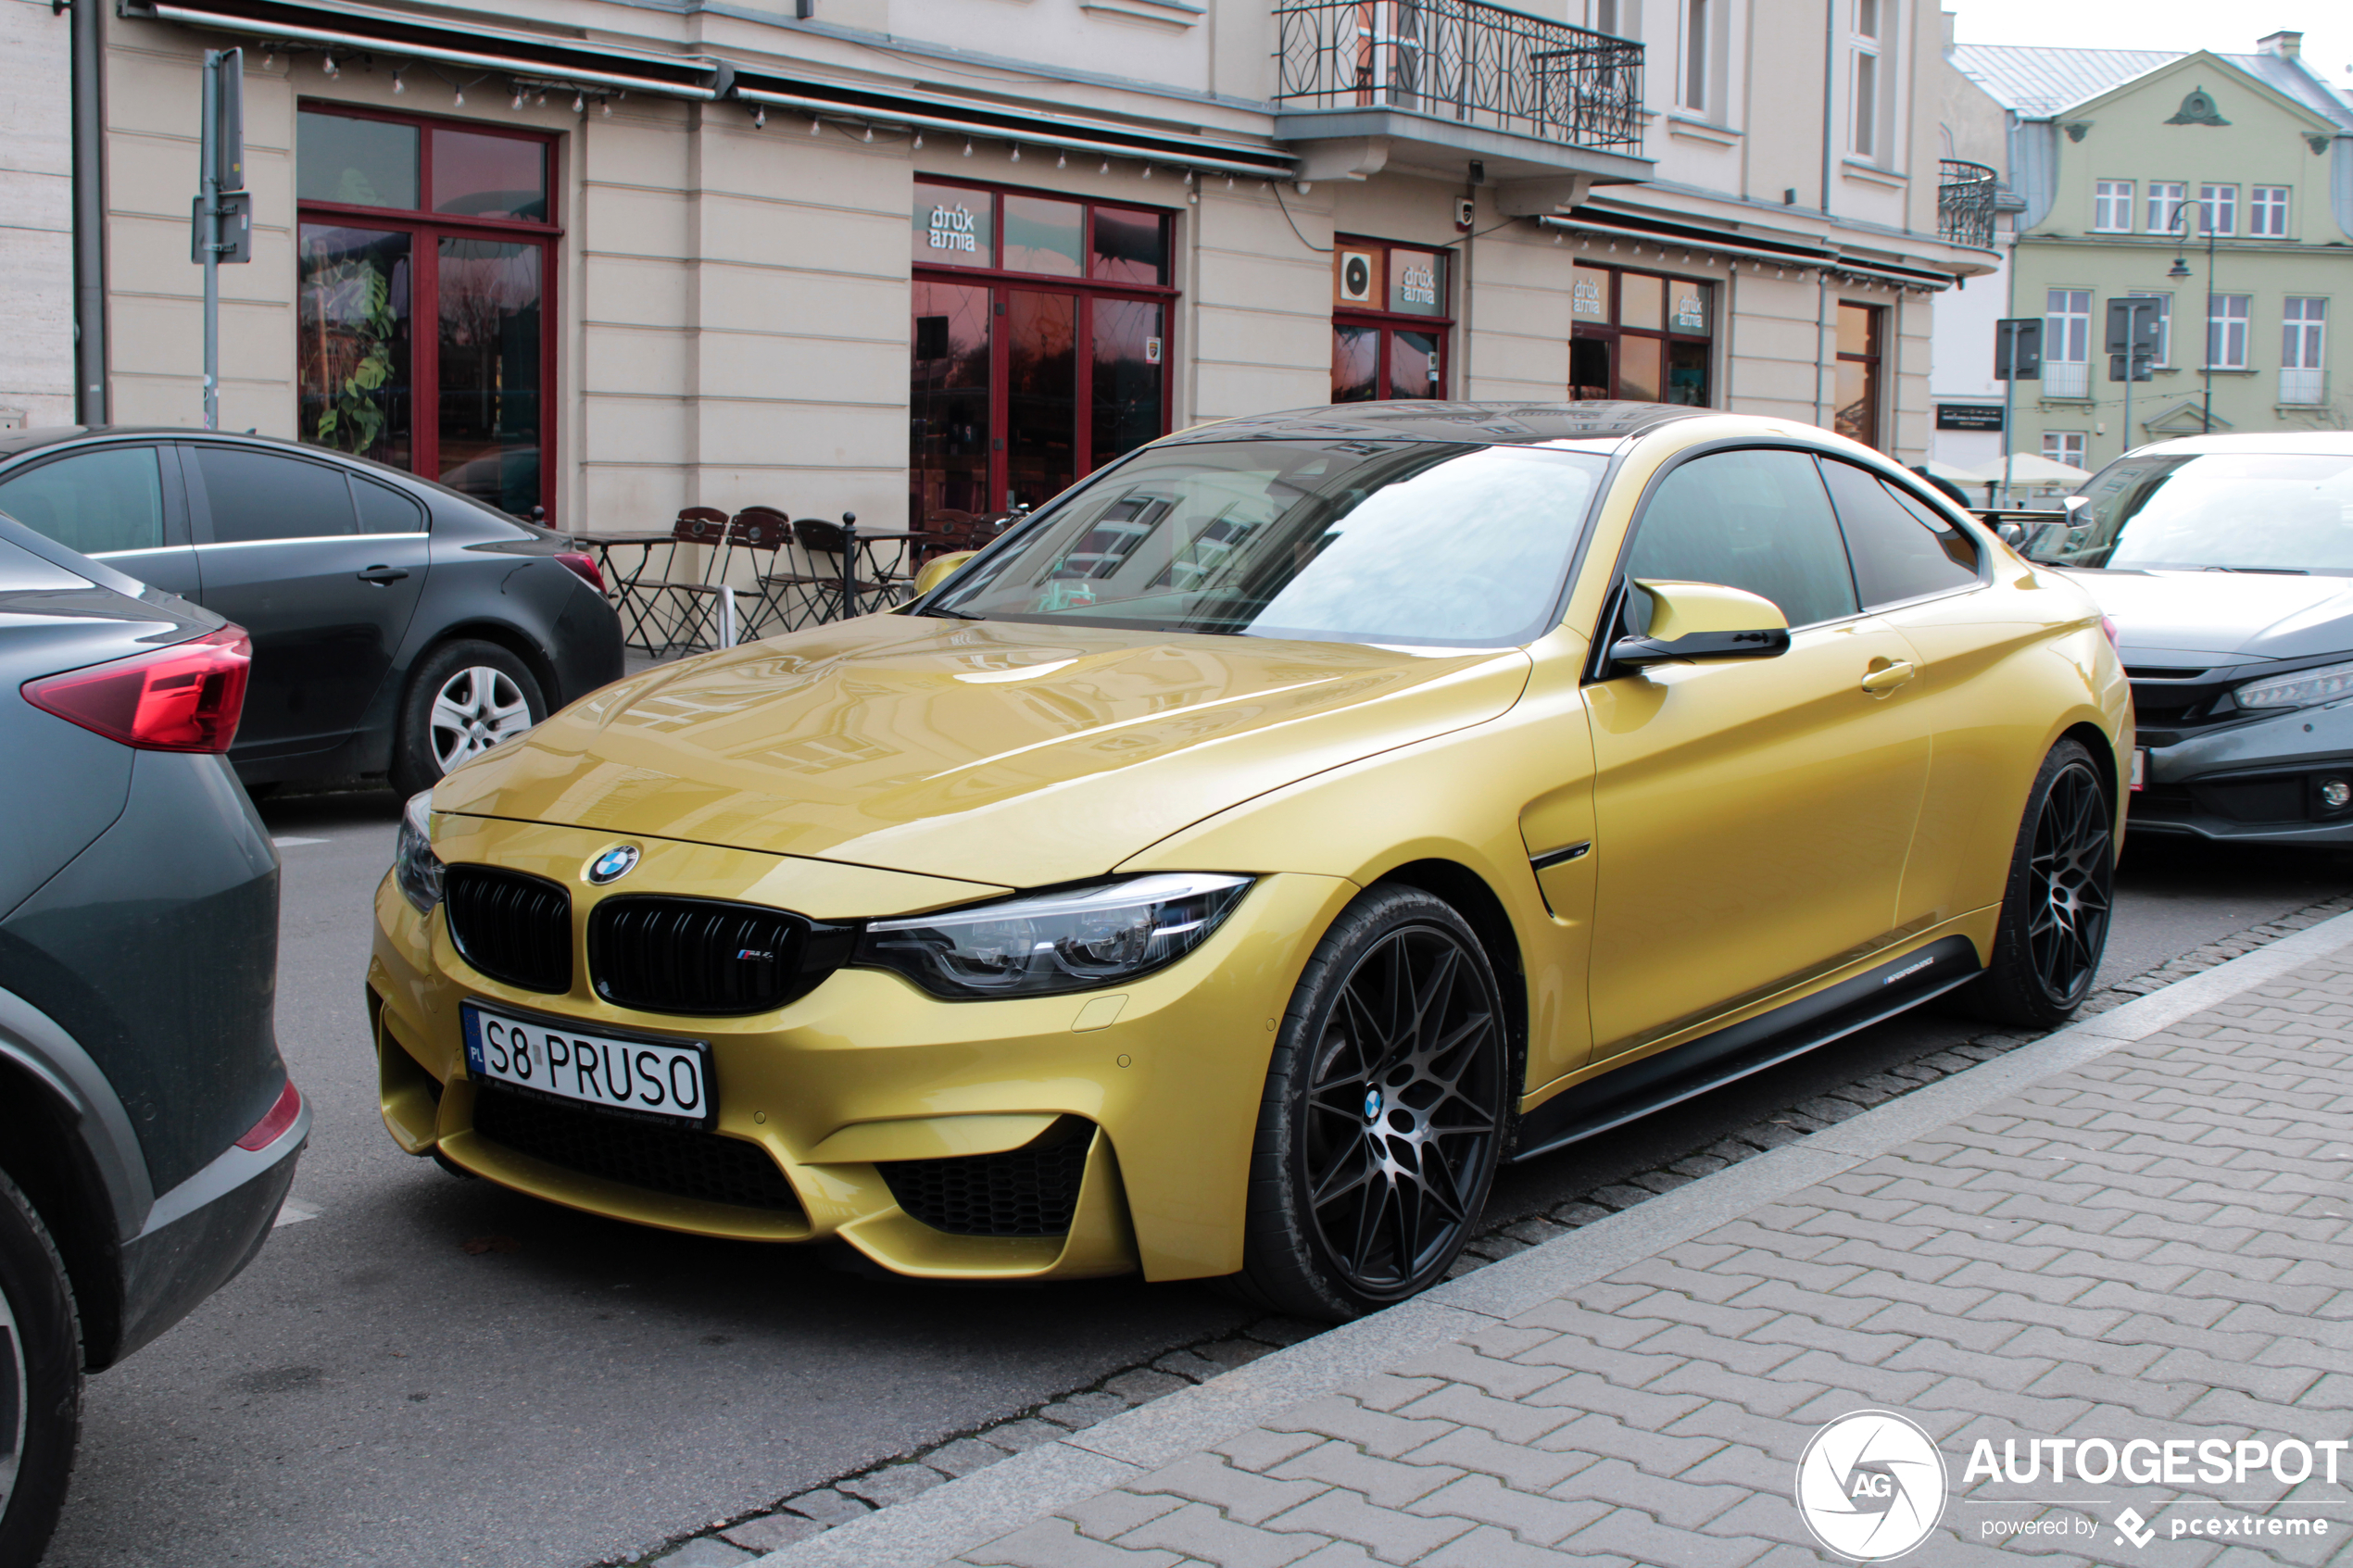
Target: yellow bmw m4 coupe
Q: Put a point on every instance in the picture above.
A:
(1221, 873)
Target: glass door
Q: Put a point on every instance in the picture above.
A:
(1042, 395)
(948, 402)
(489, 353)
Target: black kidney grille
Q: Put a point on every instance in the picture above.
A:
(1032, 1190)
(703, 955)
(677, 1160)
(514, 928)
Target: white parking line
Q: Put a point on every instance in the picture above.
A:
(289, 843)
(293, 1211)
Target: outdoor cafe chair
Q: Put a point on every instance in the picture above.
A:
(689, 612)
(848, 576)
(764, 531)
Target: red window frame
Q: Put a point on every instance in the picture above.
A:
(1610, 334)
(1000, 280)
(1365, 316)
(425, 227)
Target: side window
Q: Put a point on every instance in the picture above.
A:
(1901, 548)
(93, 502)
(257, 496)
(1755, 519)
(383, 509)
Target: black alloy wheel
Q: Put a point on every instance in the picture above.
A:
(2057, 903)
(1385, 1113)
(40, 1380)
(2069, 883)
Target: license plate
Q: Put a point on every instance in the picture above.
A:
(2140, 766)
(660, 1078)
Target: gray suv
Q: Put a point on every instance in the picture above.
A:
(2226, 562)
(148, 1131)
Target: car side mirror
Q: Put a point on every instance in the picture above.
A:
(938, 570)
(2074, 504)
(2010, 533)
(1704, 620)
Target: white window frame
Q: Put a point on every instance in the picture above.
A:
(2112, 206)
(2304, 333)
(2065, 446)
(1865, 86)
(2061, 312)
(2164, 360)
(2227, 330)
(2166, 198)
(2267, 211)
(2218, 208)
(1695, 83)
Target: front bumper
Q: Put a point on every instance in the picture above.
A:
(2251, 782)
(867, 1081)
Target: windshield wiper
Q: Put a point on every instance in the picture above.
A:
(943, 609)
(2271, 571)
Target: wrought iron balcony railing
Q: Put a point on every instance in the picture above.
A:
(1965, 203)
(1463, 60)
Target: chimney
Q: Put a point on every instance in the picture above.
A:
(2287, 46)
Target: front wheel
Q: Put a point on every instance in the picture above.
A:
(2055, 905)
(464, 697)
(40, 1381)
(1383, 1116)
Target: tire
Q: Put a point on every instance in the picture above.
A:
(462, 699)
(1397, 1205)
(2057, 903)
(40, 1381)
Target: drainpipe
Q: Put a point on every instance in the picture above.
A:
(89, 214)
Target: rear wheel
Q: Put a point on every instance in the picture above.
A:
(1383, 1116)
(464, 697)
(40, 1381)
(2056, 906)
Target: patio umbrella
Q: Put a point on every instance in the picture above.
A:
(2027, 471)
(1951, 472)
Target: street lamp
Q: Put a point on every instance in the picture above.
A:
(2181, 268)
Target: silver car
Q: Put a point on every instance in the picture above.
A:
(2226, 563)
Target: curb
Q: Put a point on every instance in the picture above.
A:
(979, 1508)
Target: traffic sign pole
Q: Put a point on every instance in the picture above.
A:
(208, 237)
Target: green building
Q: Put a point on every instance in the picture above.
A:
(2217, 187)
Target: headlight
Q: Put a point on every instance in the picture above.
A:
(1036, 946)
(2300, 690)
(414, 865)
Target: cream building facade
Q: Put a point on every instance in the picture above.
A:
(914, 258)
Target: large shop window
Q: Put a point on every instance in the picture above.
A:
(1640, 336)
(1040, 345)
(1391, 321)
(425, 252)
(1862, 330)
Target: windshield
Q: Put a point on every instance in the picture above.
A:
(2216, 511)
(1333, 540)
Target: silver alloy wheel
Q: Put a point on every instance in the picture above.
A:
(15, 1402)
(476, 709)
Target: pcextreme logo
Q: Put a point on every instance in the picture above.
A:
(1871, 1485)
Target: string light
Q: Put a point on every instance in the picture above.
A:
(919, 140)
(870, 133)
(518, 102)
(398, 86)
(327, 64)
(968, 147)
(1189, 177)
(1107, 166)
(1017, 152)
(461, 102)
(1148, 171)
(1229, 182)
(608, 107)
(759, 118)
(1062, 161)
(269, 62)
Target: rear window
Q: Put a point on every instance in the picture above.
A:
(257, 496)
(2210, 511)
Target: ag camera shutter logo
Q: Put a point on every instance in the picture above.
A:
(1356, 276)
(1871, 1485)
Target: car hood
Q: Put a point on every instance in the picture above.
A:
(992, 751)
(2225, 615)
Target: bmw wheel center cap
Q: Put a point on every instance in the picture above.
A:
(613, 864)
(1372, 1105)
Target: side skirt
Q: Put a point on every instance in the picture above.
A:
(1751, 1046)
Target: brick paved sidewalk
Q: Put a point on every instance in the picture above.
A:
(2136, 1229)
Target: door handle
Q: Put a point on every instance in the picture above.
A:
(383, 576)
(1886, 675)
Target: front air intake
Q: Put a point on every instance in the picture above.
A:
(707, 956)
(1032, 1190)
(510, 926)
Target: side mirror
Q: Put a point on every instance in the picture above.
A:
(2074, 504)
(2010, 533)
(1704, 620)
(938, 569)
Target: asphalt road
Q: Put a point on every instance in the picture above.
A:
(372, 1391)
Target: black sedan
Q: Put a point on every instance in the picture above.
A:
(397, 626)
(148, 1131)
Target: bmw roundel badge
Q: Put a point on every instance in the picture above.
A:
(613, 864)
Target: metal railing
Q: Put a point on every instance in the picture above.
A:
(2063, 378)
(1965, 203)
(1463, 60)
(2303, 387)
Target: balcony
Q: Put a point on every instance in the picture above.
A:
(2303, 388)
(2065, 379)
(1965, 203)
(1433, 85)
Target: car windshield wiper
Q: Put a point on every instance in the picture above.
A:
(2272, 571)
(943, 609)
